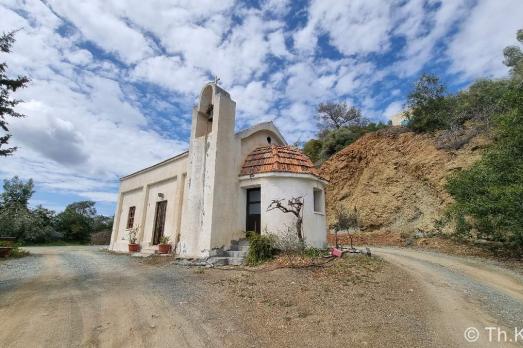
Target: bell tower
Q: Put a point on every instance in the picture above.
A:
(211, 156)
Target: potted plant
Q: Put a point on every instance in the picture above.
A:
(164, 247)
(133, 246)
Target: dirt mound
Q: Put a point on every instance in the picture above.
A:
(395, 179)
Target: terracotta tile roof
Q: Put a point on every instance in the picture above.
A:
(278, 158)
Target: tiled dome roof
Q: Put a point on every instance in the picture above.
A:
(277, 158)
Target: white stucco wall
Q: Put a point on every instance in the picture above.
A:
(285, 186)
(211, 217)
(206, 197)
(168, 189)
(141, 190)
(129, 199)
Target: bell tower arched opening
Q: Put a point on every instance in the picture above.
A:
(204, 119)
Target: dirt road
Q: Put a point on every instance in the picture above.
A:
(77, 296)
(83, 297)
(467, 293)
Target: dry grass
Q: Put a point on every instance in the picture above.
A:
(295, 300)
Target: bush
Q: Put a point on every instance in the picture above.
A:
(489, 195)
(312, 252)
(16, 252)
(312, 148)
(287, 241)
(260, 249)
(331, 141)
(336, 140)
(429, 107)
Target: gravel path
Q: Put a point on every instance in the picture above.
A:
(80, 296)
(467, 293)
(84, 297)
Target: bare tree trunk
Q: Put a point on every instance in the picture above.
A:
(295, 206)
(299, 223)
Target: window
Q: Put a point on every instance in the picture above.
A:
(130, 217)
(318, 200)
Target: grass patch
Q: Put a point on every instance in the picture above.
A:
(16, 252)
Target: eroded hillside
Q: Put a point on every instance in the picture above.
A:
(395, 179)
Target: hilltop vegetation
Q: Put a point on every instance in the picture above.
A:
(340, 126)
(458, 166)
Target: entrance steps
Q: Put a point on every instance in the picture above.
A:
(235, 255)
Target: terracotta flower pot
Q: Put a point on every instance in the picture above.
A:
(134, 248)
(5, 251)
(164, 248)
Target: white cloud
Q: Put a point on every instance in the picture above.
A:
(477, 50)
(423, 30)
(393, 109)
(104, 28)
(92, 118)
(99, 196)
(80, 57)
(353, 27)
(172, 73)
(276, 7)
(253, 102)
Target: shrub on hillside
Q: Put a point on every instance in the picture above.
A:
(312, 148)
(489, 195)
(331, 141)
(428, 105)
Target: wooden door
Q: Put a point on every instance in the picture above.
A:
(253, 220)
(159, 221)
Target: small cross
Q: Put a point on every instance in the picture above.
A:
(216, 79)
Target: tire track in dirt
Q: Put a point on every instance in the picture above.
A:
(91, 299)
(466, 293)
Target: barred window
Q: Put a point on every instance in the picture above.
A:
(130, 217)
(318, 200)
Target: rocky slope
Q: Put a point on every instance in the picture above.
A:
(395, 179)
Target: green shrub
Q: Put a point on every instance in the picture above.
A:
(313, 252)
(250, 234)
(331, 141)
(337, 139)
(312, 148)
(429, 108)
(260, 249)
(16, 252)
(489, 195)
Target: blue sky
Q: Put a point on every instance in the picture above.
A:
(114, 82)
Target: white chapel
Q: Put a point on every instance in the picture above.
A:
(211, 195)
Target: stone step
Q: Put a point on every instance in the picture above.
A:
(235, 261)
(217, 253)
(218, 260)
(223, 261)
(236, 248)
(243, 243)
(236, 253)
